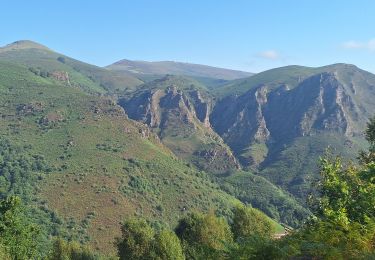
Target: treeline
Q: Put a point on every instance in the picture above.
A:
(197, 236)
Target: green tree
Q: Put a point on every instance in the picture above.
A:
(249, 222)
(259, 247)
(4, 255)
(63, 250)
(343, 226)
(167, 246)
(204, 236)
(18, 237)
(346, 194)
(140, 241)
(136, 241)
(369, 156)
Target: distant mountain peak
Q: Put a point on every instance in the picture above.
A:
(177, 68)
(23, 44)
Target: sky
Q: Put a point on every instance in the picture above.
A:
(246, 35)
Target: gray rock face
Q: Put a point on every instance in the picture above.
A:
(321, 103)
(179, 113)
(152, 107)
(240, 120)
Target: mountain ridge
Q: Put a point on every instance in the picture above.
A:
(177, 68)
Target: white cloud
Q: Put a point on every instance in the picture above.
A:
(367, 45)
(269, 54)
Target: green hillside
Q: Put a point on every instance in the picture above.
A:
(49, 64)
(100, 166)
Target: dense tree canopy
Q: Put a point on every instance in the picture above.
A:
(249, 222)
(344, 223)
(369, 156)
(63, 250)
(140, 241)
(167, 246)
(18, 237)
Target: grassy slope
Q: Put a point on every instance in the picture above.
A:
(103, 168)
(90, 78)
(294, 167)
(262, 194)
(288, 75)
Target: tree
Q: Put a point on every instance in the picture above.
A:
(346, 194)
(249, 222)
(167, 246)
(344, 214)
(63, 250)
(140, 241)
(369, 156)
(204, 236)
(18, 237)
(61, 59)
(136, 241)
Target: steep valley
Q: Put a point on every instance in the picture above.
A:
(85, 147)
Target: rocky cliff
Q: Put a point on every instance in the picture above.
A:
(281, 129)
(324, 102)
(178, 110)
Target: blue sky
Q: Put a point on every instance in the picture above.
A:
(238, 34)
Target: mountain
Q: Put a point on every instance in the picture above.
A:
(79, 163)
(176, 68)
(49, 64)
(280, 121)
(85, 147)
(177, 109)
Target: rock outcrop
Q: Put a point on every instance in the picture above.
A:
(178, 111)
(276, 115)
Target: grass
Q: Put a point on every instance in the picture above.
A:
(89, 78)
(294, 166)
(264, 195)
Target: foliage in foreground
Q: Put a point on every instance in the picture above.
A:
(18, 238)
(344, 223)
(63, 250)
(141, 241)
(197, 236)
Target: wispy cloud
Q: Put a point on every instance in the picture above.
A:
(269, 55)
(361, 45)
